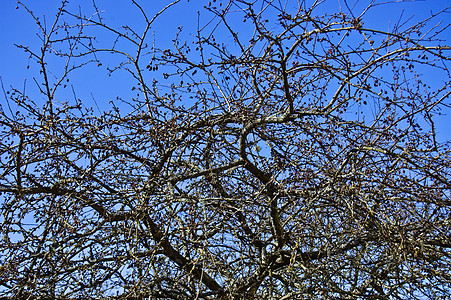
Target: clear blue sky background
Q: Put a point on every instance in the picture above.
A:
(17, 27)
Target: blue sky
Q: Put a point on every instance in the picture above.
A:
(17, 27)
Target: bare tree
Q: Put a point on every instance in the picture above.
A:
(299, 159)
